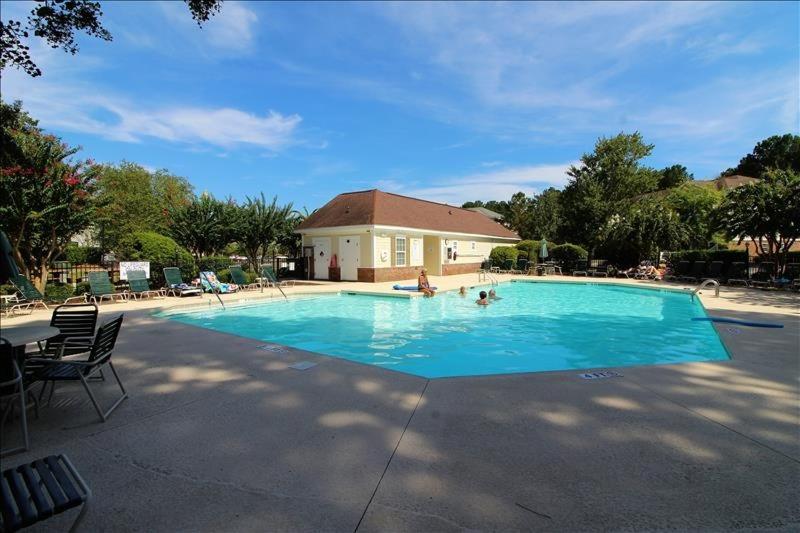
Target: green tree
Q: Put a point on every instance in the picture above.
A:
(674, 176)
(47, 195)
(544, 221)
(767, 212)
(57, 21)
(603, 185)
(695, 206)
(779, 152)
(205, 225)
(518, 213)
(260, 225)
(132, 199)
(645, 227)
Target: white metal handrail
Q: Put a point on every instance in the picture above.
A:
(712, 282)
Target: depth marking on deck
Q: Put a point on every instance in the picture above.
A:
(604, 374)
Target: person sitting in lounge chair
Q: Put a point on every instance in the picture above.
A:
(423, 285)
(482, 300)
(212, 284)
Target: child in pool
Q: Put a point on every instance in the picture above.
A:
(493, 295)
(462, 291)
(482, 300)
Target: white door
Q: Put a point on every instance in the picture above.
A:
(322, 256)
(349, 257)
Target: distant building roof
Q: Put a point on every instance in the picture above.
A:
(724, 183)
(494, 215)
(378, 208)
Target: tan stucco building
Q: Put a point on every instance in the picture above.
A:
(378, 236)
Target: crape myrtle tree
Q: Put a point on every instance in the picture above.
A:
(767, 212)
(57, 22)
(47, 194)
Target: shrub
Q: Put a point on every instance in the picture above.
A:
(214, 263)
(224, 275)
(79, 255)
(161, 251)
(57, 292)
(531, 248)
(568, 255)
(7, 289)
(501, 254)
(81, 288)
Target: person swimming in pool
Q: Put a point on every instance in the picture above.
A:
(462, 291)
(482, 300)
(423, 285)
(493, 295)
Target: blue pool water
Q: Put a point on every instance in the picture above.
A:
(535, 327)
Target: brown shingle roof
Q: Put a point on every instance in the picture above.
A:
(374, 207)
(724, 183)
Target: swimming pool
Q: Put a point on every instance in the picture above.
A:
(536, 327)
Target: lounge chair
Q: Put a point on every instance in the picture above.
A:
(12, 303)
(714, 271)
(98, 350)
(240, 278)
(522, 266)
(696, 272)
(139, 287)
(737, 274)
(763, 276)
(210, 283)
(580, 268)
(30, 294)
(39, 490)
(176, 286)
(12, 392)
(600, 270)
(100, 288)
(791, 275)
(268, 275)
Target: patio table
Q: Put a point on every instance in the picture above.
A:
(18, 338)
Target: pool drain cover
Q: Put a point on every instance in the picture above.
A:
(303, 365)
(600, 375)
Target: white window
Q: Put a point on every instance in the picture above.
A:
(400, 251)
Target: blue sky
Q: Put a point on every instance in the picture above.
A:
(446, 101)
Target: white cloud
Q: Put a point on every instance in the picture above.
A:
(231, 30)
(62, 99)
(500, 184)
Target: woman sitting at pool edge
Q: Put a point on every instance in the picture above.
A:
(423, 285)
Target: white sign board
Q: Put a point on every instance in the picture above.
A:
(125, 266)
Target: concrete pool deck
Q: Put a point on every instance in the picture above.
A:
(220, 435)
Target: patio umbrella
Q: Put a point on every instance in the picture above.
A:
(8, 268)
(543, 251)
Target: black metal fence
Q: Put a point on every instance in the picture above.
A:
(73, 274)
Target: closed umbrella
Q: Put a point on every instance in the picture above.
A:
(543, 251)
(8, 268)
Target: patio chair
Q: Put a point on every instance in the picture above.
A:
(30, 294)
(98, 350)
(268, 274)
(210, 283)
(763, 277)
(176, 286)
(696, 273)
(75, 322)
(240, 278)
(600, 270)
(39, 490)
(737, 274)
(139, 287)
(12, 390)
(714, 271)
(101, 288)
(522, 266)
(581, 268)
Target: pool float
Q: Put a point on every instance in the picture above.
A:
(738, 322)
(409, 288)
